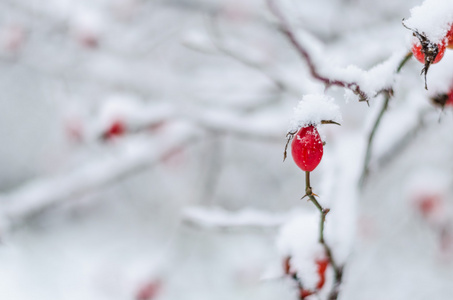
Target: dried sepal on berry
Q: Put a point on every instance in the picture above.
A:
(425, 51)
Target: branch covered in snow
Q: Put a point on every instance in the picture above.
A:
(141, 117)
(219, 218)
(365, 84)
(43, 193)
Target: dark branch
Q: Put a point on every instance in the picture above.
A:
(387, 94)
(285, 28)
(324, 211)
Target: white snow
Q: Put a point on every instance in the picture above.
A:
(440, 75)
(371, 82)
(198, 40)
(218, 217)
(103, 213)
(433, 18)
(378, 78)
(313, 109)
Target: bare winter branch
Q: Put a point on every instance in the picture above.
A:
(286, 29)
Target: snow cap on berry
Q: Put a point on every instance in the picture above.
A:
(432, 18)
(312, 110)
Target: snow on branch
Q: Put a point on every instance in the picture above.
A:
(218, 218)
(249, 126)
(135, 155)
(139, 117)
(42, 193)
(364, 84)
(433, 18)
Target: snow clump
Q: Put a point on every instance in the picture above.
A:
(298, 239)
(312, 110)
(433, 18)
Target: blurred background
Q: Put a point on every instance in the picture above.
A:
(142, 145)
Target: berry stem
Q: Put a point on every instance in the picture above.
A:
(366, 165)
(404, 61)
(323, 212)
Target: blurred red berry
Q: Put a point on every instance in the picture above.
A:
(286, 265)
(450, 98)
(12, 37)
(307, 148)
(429, 205)
(305, 293)
(149, 291)
(322, 267)
(117, 128)
(74, 130)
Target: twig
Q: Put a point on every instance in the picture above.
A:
(39, 195)
(217, 42)
(388, 94)
(324, 211)
(366, 164)
(403, 61)
(404, 141)
(286, 29)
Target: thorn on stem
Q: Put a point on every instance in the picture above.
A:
(330, 122)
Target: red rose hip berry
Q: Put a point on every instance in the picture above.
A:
(322, 267)
(116, 129)
(420, 56)
(307, 148)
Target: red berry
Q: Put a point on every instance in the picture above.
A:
(305, 293)
(420, 56)
(287, 266)
(307, 148)
(117, 128)
(450, 98)
(322, 267)
(149, 291)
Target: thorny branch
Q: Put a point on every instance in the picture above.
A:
(324, 211)
(286, 29)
